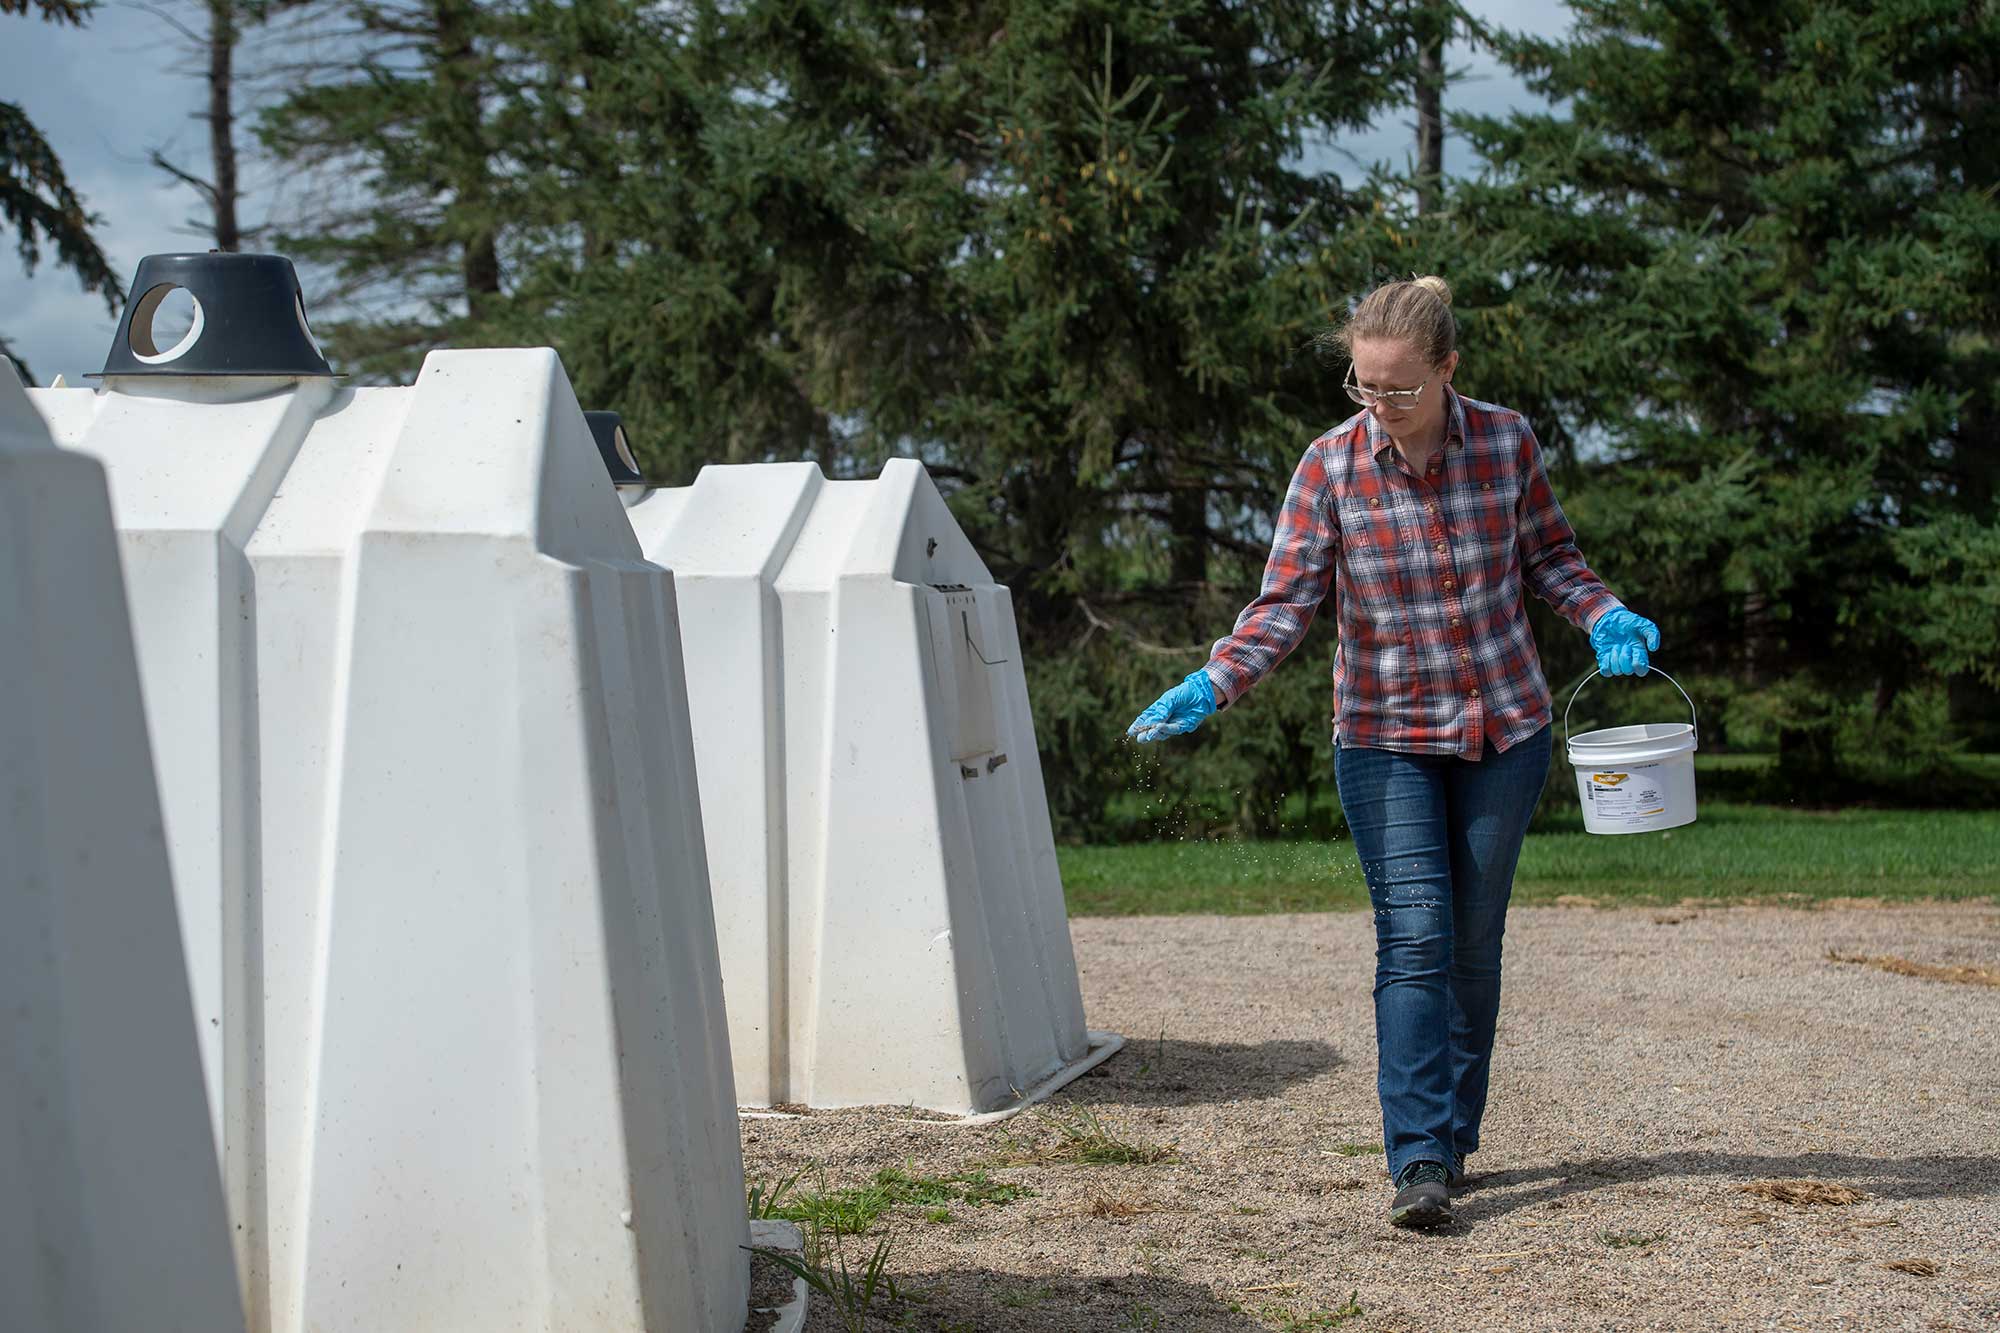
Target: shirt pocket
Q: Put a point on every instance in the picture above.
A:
(1372, 545)
(1487, 513)
(1369, 537)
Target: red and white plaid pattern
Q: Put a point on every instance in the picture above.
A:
(1435, 654)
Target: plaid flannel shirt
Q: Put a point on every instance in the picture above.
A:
(1427, 574)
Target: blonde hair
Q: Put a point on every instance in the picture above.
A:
(1417, 312)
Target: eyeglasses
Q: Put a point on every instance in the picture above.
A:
(1387, 397)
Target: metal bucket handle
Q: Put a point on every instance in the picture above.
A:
(1693, 721)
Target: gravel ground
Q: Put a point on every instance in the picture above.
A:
(1650, 1064)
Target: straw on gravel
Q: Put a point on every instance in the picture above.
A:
(1921, 1267)
(1802, 1193)
(1114, 1208)
(1903, 967)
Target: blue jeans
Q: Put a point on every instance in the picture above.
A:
(1438, 839)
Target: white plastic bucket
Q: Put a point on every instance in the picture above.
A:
(1636, 779)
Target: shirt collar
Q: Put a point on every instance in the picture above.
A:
(1380, 444)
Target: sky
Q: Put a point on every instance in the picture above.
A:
(107, 94)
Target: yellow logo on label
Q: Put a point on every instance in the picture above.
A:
(1609, 779)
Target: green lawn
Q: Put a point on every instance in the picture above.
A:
(1731, 853)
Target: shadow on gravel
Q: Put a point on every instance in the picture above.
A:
(980, 1300)
(1193, 1073)
(1939, 1176)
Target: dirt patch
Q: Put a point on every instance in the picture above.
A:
(1642, 1076)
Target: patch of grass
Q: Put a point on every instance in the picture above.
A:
(1080, 1135)
(850, 1292)
(1732, 853)
(1020, 1298)
(1627, 1240)
(853, 1210)
(973, 1187)
(1353, 1149)
(1286, 1320)
(765, 1200)
(836, 1212)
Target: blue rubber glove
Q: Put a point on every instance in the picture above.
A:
(1178, 711)
(1622, 639)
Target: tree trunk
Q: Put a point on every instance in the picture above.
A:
(1430, 122)
(222, 38)
(467, 168)
(1187, 537)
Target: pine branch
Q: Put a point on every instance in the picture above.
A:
(200, 186)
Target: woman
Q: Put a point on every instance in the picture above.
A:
(1426, 516)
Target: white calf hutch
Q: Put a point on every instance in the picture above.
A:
(887, 900)
(111, 1213)
(417, 711)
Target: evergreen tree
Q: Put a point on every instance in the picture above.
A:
(1755, 262)
(1067, 253)
(1064, 251)
(36, 198)
(414, 207)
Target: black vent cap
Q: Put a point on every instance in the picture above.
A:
(608, 429)
(250, 319)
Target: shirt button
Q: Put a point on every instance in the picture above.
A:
(1440, 551)
(1431, 506)
(1464, 655)
(1485, 485)
(1448, 585)
(1454, 622)
(1375, 502)
(1474, 694)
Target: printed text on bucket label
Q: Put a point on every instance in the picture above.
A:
(1631, 794)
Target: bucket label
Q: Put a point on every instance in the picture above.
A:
(1629, 795)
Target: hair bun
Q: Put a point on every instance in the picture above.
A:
(1435, 285)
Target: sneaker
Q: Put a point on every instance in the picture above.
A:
(1421, 1201)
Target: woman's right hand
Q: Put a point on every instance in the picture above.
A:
(1178, 711)
(1622, 640)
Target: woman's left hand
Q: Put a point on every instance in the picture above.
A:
(1622, 639)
